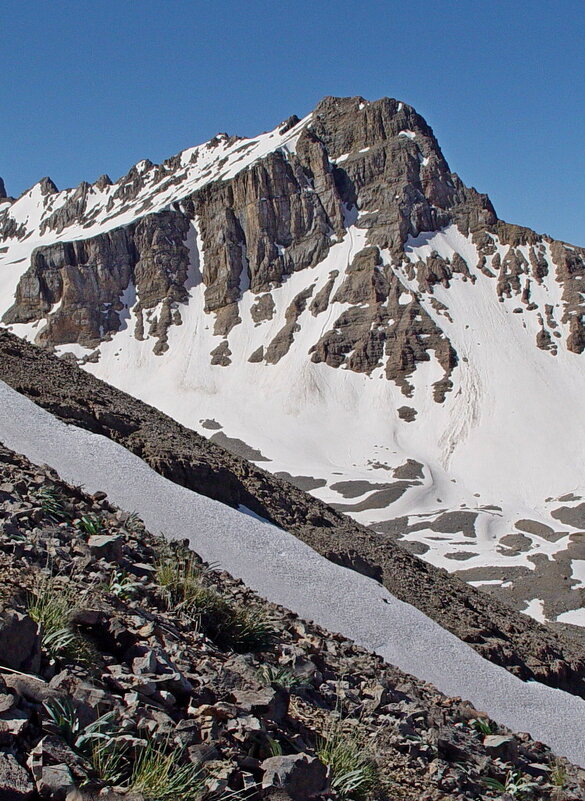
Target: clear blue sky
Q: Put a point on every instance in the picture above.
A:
(93, 87)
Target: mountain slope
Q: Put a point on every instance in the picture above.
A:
(330, 300)
(168, 683)
(525, 648)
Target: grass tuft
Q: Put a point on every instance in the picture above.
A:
(483, 726)
(280, 676)
(558, 775)
(159, 775)
(133, 523)
(353, 773)
(51, 502)
(50, 604)
(90, 523)
(179, 577)
(109, 762)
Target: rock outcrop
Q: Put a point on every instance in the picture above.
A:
(279, 216)
(87, 279)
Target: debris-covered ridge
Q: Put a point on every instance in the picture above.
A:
(241, 693)
(524, 647)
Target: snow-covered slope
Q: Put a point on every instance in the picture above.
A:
(351, 317)
(287, 572)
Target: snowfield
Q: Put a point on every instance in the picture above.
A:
(507, 446)
(286, 571)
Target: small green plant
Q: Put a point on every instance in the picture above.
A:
(159, 775)
(246, 631)
(133, 523)
(123, 585)
(51, 502)
(109, 762)
(179, 578)
(280, 676)
(558, 775)
(274, 747)
(50, 604)
(63, 719)
(96, 742)
(353, 773)
(482, 725)
(514, 784)
(90, 524)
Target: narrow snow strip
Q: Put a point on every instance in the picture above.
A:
(288, 572)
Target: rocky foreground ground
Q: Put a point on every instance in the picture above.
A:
(130, 668)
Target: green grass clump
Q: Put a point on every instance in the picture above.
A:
(123, 585)
(97, 742)
(159, 775)
(515, 784)
(109, 762)
(483, 726)
(63, 719)
(558, 775)
(280, 676)
(246, 631)
(51, 502)
(50, 604)
(133, 523)
(91, 524)
(179, 578)
(157, 772)
(353, 773)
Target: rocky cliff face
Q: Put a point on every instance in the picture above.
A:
(375, 165)
(278, 216)
(86, 279)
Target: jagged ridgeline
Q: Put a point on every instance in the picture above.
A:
(266, 209)
(400, 351)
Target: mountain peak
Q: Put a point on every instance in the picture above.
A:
(47, 186)
(298, 266)
(2, 189)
